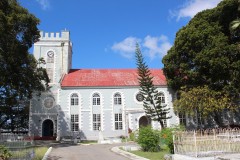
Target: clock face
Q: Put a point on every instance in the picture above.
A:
(50, 54)
(139, 97)
(48, 102)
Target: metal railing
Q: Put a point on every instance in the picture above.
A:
(20, 145)
(203, 143)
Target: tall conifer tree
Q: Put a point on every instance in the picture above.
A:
(152, 102)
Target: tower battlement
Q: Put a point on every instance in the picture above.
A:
(63, 35)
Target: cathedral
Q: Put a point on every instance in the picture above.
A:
(89, 101)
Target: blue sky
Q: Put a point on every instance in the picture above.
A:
(104, 32)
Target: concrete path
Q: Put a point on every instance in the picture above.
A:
(84, 152)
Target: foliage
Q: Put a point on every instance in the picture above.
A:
(152, 102)
(19, 74)
(132, 136)
(204, 54)
(4, 153)
(166, 135)
(203, 100)
(149, 139)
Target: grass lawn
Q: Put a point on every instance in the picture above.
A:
(39, 152)
(88, 142)
(152, 155)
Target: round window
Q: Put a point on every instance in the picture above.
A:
(48, 102)
(139, 97)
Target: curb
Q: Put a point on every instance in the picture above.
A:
(47, 153)
(127, 154)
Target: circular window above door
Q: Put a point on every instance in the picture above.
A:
(48, 102)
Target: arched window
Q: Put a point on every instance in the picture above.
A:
(74, 99)
(117, 99)
(162, 97)
(96, 99)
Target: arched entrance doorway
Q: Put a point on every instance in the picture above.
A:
(47, 128)
(144, 121)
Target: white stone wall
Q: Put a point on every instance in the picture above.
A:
(131, 109)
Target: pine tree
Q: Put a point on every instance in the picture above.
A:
(152, 104)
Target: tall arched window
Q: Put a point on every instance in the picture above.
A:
(117, 99)
(117, 110)
(96, 99)
(74, 99)
(96, 111)
(162, 97)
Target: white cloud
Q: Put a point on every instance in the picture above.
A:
(156, 46)
(126, 47)
(44, 4)
(151, 46)
(192, 7)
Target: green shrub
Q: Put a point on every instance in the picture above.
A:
(4, 153)
(132, 136)
(166, 136)
(149, 139)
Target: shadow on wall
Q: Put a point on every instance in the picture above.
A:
(224, 119)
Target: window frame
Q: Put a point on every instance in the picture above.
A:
(74, 122)
(96, 99)
(96, 122)
(117, 99)
(74, 99)
(118, 121)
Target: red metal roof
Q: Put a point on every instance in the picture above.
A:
(108, 77)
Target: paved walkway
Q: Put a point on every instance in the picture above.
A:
(84, 152)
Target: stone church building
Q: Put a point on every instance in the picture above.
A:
(87, 101)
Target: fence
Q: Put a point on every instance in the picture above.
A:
(20, 145)
(203, 143)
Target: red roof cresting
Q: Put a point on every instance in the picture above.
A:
(108, 77)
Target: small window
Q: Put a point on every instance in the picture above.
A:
(74, 99)
(117, 99)
(96, 122)
(74, 122)
(182, 119)
(139, 97)
(162, 97)
(96, 99)
(118, 121)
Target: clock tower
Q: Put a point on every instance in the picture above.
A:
(56, 50)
